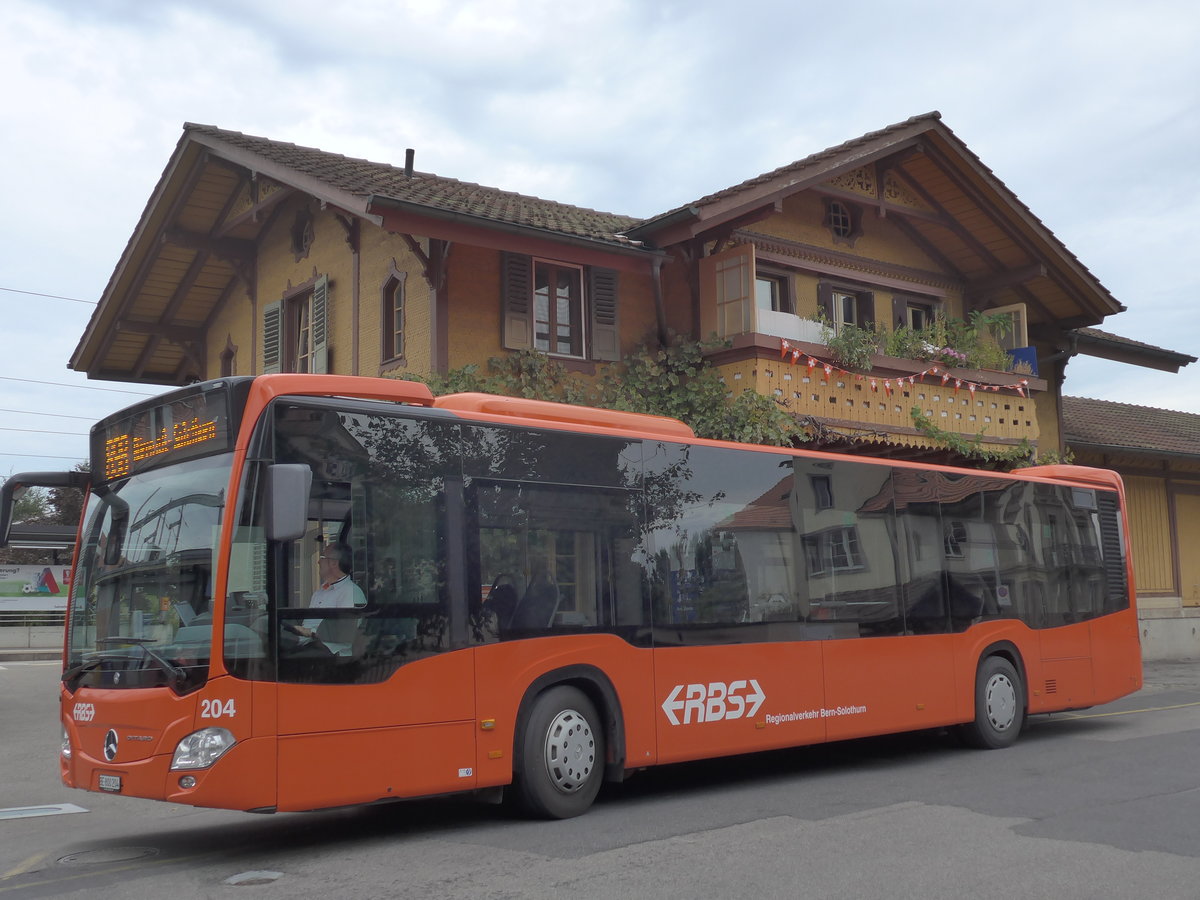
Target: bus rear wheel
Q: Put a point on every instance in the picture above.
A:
(562, 755)
(999, 706)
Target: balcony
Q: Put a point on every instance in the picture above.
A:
(876, 406)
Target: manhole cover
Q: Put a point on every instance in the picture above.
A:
(106, 855)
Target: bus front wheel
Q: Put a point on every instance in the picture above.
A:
(562, 755)
(999, 706)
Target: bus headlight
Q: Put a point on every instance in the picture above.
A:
(202, 748)
(65, 749)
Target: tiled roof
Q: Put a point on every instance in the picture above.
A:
(362, 179)
(807, 162)
(1125, 426)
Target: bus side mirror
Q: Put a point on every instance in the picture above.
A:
(288, 487)
(16, 486)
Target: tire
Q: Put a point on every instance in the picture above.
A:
(999, 706)
(561, 761)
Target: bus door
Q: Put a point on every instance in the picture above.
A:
(871, 539)
(375, 684)
(1071, 589)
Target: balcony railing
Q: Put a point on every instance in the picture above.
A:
(877, 405)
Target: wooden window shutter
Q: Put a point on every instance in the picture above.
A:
(272, 349)
(320, 326)
(864, 302)
(516, 287)
(825, 301)
(603, 295)
(727, 292)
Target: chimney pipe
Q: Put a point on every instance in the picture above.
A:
(408, 161)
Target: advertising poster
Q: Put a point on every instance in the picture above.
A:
(33, 588)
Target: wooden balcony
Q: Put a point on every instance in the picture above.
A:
(877, 406)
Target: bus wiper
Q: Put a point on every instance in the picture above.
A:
(86, 665)
(174, 673)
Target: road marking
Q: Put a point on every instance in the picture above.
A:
(22, 867)
(31, 812)
(1126, 712)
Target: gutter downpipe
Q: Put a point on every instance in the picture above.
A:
(660, 312)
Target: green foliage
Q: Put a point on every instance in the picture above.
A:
(967, 343)
(675, 381)
(32, 506)
(1003, 460)
(903, 342)
(851, 347)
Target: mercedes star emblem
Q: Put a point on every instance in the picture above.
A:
(110, 745)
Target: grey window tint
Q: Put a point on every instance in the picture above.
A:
(844, 515)
(721, 543)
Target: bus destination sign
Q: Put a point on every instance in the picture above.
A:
(152, 436)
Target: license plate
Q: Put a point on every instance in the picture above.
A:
(110, 783)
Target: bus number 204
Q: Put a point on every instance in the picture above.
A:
(215, 709)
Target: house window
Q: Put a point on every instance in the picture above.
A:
(834, 550)
(1017, 334)
(557, 308)
(842, 306)
(822, 487)
(295, 330)
(914, 313)
(392, 316)
(954, 539)
(772, 292)
(300, 320)
(844, 221)
(845, 309)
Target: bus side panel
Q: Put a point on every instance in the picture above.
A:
(1066, 681)
(505, 671)
(882, 685)
(1116, 656)
(341, 768)
(737, 698)
(409, 736)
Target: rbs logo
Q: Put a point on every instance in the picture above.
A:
(713, 702)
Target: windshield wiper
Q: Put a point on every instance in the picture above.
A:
(174, 673)
(84, 666)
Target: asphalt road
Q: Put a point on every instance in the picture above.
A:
(1099, 804)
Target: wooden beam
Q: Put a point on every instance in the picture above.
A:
(231, 249)
(1011, 278)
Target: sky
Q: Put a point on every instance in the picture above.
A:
(1088, 111)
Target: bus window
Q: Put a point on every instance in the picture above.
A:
(378, 492)
(845, 515)
(722, 545)
(555, 558)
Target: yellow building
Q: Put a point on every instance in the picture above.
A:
(255, 255)
(1157, 452)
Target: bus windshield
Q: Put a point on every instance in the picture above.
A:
(141, 614)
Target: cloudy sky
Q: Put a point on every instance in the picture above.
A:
(1089, 110)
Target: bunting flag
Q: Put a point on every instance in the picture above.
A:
(786, 350)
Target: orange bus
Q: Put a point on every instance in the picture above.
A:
(294, 592)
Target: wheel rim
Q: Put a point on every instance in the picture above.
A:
(1000, 696)
(570, 751)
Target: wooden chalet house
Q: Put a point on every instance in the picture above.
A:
(255, 256)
